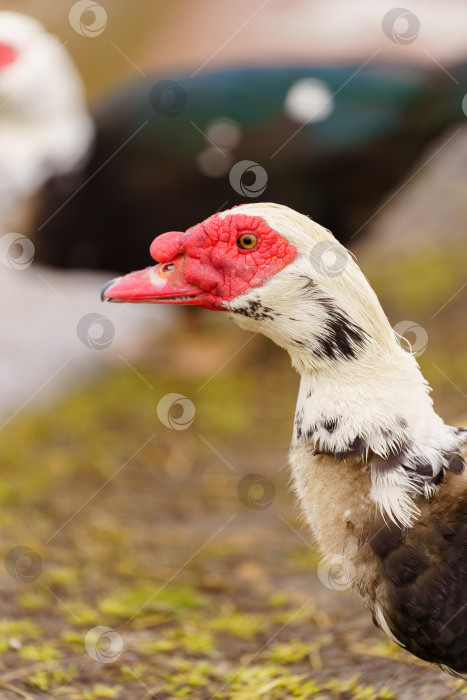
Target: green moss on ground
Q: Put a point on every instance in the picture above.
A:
(139, 528)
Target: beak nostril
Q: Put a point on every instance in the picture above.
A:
(168, 267)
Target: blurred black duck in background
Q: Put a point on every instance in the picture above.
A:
(330, 141)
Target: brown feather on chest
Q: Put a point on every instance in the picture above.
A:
(414, 580)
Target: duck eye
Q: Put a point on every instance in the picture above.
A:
(247, 241)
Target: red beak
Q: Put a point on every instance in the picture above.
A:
(162, 284)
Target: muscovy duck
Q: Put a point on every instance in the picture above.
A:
(45, 128)
(379, 476)
(318, 133)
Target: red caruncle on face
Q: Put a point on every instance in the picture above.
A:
(214, 262)
(8, 55)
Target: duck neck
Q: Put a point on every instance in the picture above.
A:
(377, 408)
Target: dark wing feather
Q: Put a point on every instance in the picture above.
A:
(423, 594)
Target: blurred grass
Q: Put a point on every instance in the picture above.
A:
(141, 529)
(424, 284)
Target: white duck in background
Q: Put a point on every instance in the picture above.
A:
(45, 128)
(379, 476)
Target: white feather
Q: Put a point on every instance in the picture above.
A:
(384, 625)
(45, 128)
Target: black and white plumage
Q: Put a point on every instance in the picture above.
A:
(379, 476)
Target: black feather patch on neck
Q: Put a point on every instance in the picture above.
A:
(255, 310)
(341, 338)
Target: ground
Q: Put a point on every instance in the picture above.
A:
(208, 582)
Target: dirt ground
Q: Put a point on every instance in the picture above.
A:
(207, 582)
